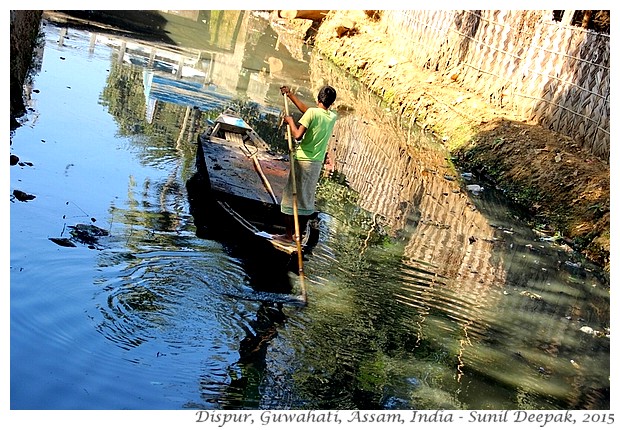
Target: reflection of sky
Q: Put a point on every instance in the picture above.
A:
(72, 135)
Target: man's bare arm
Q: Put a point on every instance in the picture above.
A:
(296, 101)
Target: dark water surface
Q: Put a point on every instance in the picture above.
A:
(422, 294)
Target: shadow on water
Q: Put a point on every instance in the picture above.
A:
(272, 288)
(268, 271)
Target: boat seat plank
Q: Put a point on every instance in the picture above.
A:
(233, 137)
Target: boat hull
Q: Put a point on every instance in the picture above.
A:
(237, 189)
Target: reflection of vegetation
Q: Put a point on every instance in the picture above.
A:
(356, 381)
(142, 299)
(394, 366)
(125, 100)
(340, 201)
(124, 97)
(266, 125)
(372, 374)
(223, 25)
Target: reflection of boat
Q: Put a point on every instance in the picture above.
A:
(243, 180)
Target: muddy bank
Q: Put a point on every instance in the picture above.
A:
(565, 188)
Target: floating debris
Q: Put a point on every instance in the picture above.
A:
(475, 189)
(531, 295)
(573, 265)
(63, 241)
(87, 233)
(596, 333)
(549, 238)
(81, 233)
(22, 196)
(544, 371)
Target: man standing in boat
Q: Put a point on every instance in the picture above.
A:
(314, 129)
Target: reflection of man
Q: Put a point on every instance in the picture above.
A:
(253, 348)
(315, 128)
(247, 373)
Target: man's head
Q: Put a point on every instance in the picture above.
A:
(326, 96)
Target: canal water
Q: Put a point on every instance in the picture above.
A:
(424, 292)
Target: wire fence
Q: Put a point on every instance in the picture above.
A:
(544, 71)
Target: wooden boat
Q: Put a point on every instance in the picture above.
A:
(244, 180)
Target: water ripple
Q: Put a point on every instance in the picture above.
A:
(172, 299)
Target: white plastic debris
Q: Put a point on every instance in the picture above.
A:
(475, 188)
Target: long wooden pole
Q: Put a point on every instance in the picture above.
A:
(300, 258)
(264, 179)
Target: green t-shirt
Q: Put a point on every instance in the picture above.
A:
(319, 125)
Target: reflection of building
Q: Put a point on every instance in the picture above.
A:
(162, 88)
(204, 78)
(193, 80)
(407, 186)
